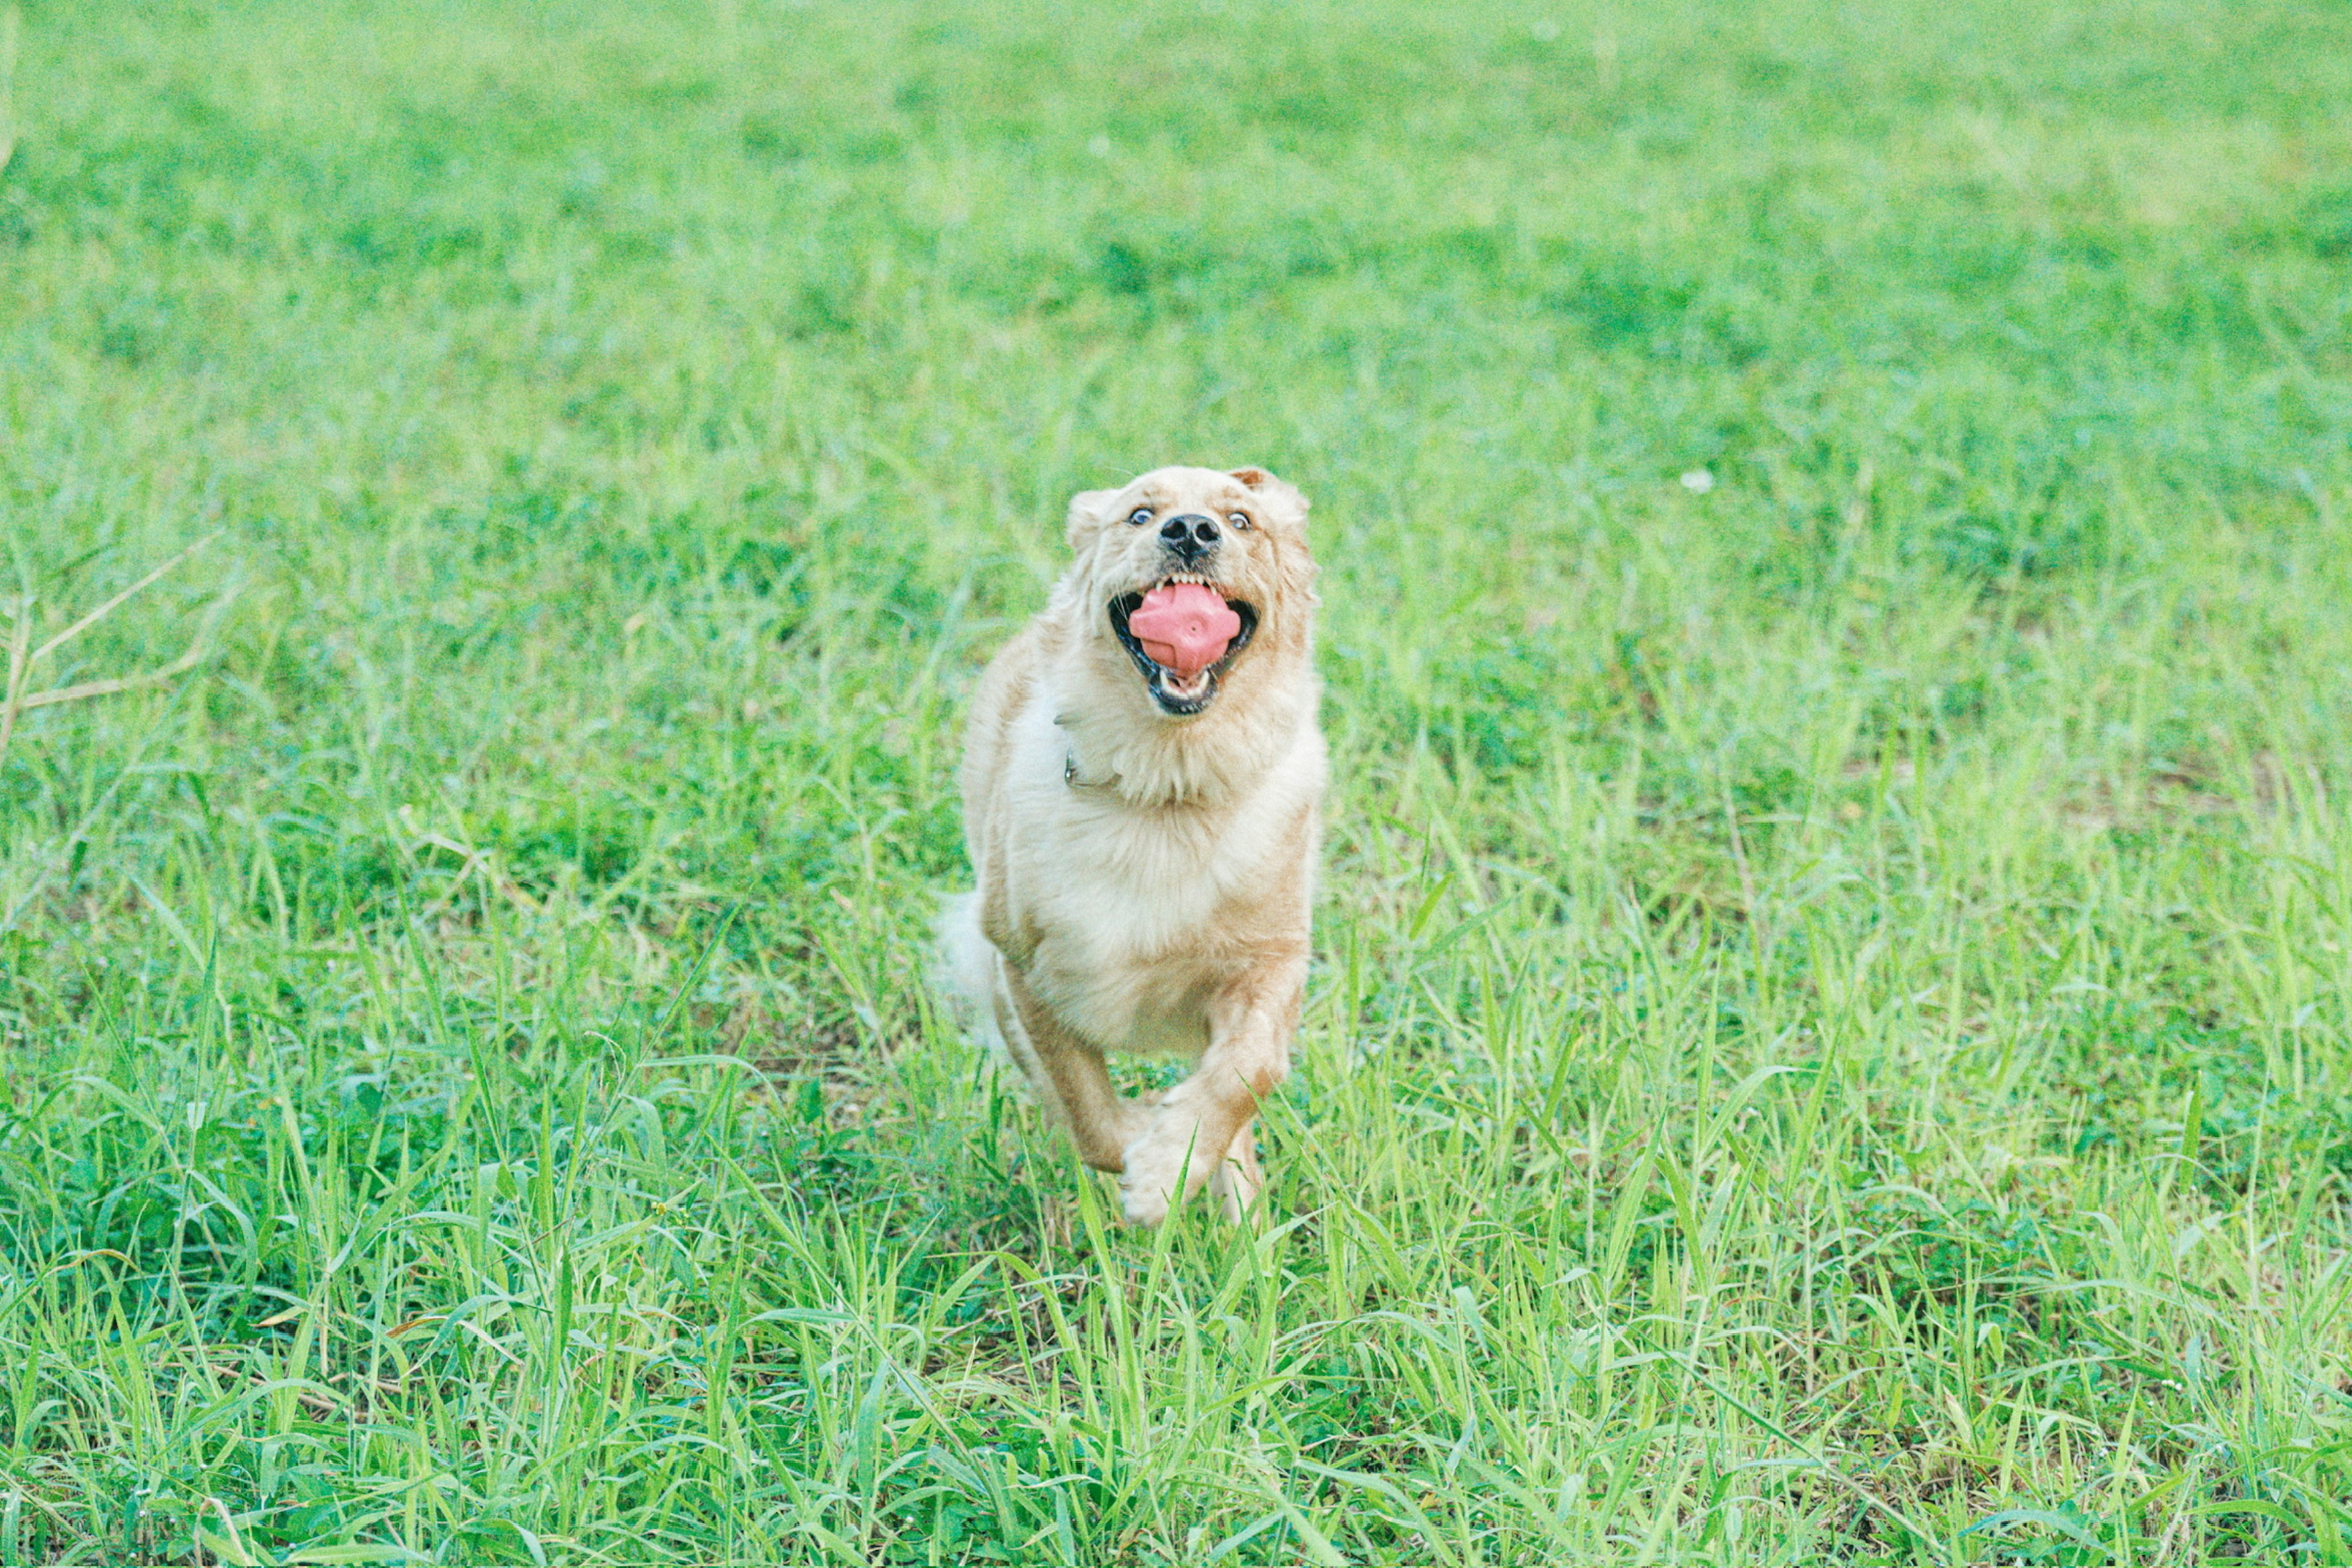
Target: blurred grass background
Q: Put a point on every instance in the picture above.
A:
(1830, 1042)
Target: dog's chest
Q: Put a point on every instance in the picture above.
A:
(1142, 887)
(1131, 950)
(1133, 909)
(1141, 883)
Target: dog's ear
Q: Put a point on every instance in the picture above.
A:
(1274, 491)
(1087, 509)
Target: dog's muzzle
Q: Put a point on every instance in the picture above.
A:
(1181, 693)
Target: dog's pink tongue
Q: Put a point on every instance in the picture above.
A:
(1185, 627)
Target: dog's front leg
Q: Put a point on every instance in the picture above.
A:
(1201, 1130)
(1066, 1073)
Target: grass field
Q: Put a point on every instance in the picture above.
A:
(1832, 1033)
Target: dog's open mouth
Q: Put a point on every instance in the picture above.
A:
(1183, 635)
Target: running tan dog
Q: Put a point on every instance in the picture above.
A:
(1143, 787)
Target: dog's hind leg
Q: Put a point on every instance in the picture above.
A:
(1239, 1178)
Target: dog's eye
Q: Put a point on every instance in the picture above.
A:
(1238, 519)
(1139, 516)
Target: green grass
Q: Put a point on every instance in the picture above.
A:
(1829, 1041)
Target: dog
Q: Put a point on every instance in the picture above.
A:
(1143, 777)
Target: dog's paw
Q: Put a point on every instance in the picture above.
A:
(1145, 1206)
(1159, 1161)
(1136, 1116)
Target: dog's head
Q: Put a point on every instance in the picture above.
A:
(1186, 573)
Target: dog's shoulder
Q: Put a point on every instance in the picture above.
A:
(1005, 688)
(1008, 689)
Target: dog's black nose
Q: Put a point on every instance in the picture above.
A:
(1189, 534)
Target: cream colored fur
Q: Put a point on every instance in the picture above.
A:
(1145, 879)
